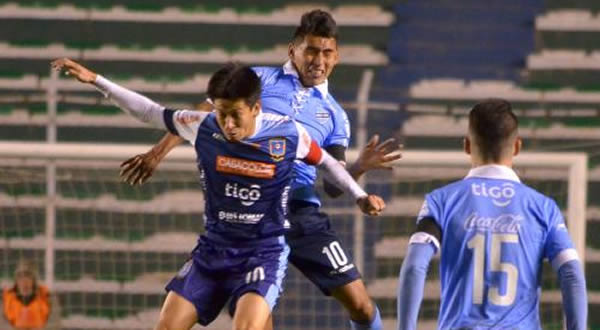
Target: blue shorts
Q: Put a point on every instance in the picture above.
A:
(316, 250)
(219, 271)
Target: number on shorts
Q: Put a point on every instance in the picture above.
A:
(258, 274)
(335, 254)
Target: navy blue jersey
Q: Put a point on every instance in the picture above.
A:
(313, 107)
(495, 233)
(246, 183)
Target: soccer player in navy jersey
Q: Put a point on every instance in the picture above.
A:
(492, 232)
(299, 89)
(247, 158)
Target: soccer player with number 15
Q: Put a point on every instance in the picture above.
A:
(493, 233)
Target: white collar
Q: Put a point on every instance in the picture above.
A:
(494, 172)
(289, 69)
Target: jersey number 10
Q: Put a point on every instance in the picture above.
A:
(477, 243)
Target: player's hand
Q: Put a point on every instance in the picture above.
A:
(139, 169)
(371, 204)
(378, 156)
(72, 68)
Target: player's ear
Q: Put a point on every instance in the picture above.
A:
(467, 145)
(517, 146)
(337, 54)
(256, 108)
(291, 50)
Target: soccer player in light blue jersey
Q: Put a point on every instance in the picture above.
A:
(247, 158)
(299, 89)
(492, 232)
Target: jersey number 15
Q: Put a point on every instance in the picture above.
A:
(477, 243)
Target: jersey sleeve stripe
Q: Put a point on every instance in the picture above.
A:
(425, 238)
(168, 118)
(564, 256)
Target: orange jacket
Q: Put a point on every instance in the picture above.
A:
(34, 315)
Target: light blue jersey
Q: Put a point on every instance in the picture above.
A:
(495, 233)
(314, 108)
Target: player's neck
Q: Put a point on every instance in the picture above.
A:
(256, 126)
(480, 162)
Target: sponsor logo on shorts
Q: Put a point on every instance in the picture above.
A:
(244, 167)
(342, 269)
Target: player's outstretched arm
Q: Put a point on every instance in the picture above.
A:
(373, 156)
(139, 168)
(138, 106)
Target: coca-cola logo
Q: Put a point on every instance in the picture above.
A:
(504, 223)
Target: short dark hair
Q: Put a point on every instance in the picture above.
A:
(493, 125)
(318, 23)
(235, 81)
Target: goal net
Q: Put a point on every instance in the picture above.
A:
(106, 249)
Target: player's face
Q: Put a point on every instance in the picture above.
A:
(314, 58)
(236, 118)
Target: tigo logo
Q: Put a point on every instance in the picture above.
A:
(500, 195)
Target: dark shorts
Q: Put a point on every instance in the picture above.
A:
(219, 273)
(316, 250)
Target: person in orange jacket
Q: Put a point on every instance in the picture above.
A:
(27, 303)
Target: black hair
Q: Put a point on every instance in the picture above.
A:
(235, 81)
(494, 126)
(318, 23)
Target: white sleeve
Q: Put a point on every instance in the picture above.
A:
(312, 154)
(184, 123)
(137, 105)
(337, 174)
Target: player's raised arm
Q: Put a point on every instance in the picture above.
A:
(310, 152)
(184, 122)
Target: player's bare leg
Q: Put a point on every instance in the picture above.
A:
(251, 313)
(269, 325)
(356, 300)
(177, 313)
